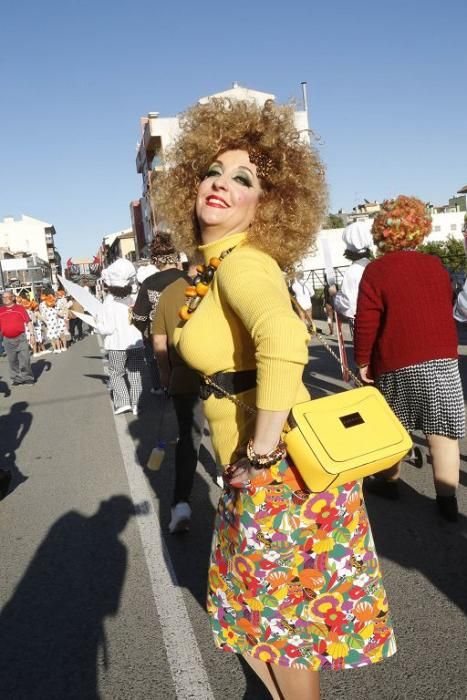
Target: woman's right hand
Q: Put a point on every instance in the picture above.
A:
(364, 375)
(237, 474)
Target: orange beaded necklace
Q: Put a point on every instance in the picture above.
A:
(201, 283)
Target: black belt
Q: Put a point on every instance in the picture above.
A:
(230, 382)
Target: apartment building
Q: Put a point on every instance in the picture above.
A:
(31, 237)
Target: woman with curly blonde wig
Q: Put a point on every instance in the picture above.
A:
(294, 583)
(293, 194)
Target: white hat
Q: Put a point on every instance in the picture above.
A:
(145, 271)
(357, 236)
(119, 274)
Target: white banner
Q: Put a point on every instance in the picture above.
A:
(9, 264)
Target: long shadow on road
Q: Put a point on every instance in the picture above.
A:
(52, 634)
(14, 427)
(4, 388)
(410, 533)
(40, 366)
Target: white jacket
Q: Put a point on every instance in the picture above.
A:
(113, 322)
(302, 294)
(345, 301)
(460, 307)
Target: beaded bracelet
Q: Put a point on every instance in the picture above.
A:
(267, 460)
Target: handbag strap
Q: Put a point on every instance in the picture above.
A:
(237, 402)
(313, 331)
(317, 335)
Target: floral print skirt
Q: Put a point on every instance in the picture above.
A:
(294, 577)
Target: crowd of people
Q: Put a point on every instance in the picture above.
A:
(31, 328)
(294, 584)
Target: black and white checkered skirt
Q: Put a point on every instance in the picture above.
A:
(427, 397)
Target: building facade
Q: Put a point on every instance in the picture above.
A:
(137, 225)
(31, 237)
(25, 274)
(118, 245)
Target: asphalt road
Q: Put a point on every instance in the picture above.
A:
(99, 601)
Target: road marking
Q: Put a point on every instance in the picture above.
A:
(184, 657)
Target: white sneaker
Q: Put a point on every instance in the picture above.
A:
(122, 409)
(56, 351)
(181, 516)
(135, 410)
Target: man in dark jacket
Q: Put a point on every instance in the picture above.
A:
(167, 260)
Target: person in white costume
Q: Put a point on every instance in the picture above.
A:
(460, 307)
(145, 271)
(358, 243)
(122, 340)
(303, 294)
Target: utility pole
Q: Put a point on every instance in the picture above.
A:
(305, 102)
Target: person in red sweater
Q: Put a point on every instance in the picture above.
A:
(406, 342)
(13, 321)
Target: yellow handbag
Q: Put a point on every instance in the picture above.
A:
(340, 438)
(344, 437)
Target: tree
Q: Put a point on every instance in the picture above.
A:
(334, 221)
(451, 252)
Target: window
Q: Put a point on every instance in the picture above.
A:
(156, 161)
(453, 227)
(437, 229)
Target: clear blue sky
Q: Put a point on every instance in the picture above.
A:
(387, 90)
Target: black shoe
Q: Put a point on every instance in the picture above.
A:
(16, 383)
(448, 508)
(5, 478)
(29, 381)
(382, 487)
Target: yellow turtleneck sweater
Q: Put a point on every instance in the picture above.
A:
(246, 321)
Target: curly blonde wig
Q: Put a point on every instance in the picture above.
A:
(293, 199)
(402, 223)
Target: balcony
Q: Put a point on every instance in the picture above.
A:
(150, 145)
(158, 133)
